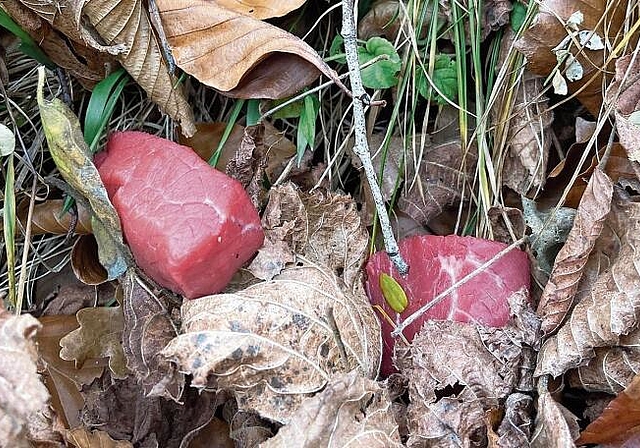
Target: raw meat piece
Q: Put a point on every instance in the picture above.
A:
(437, 262)
(189, 226)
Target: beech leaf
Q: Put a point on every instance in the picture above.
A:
(236, 54)
(559, 292)
(276, 342)
(624, 92)
(81, 437)
(49, 217)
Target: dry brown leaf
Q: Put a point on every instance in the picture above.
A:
(48, 217)
(248, 429)
(85, 261)
(604, 17)
(625, 93)
(121, 409)
(620, 420)
(248, 164)
(99, 336)
(555, 426)
(261, 9)
(612, 368)
(276, 342)
(559, 292)
(22, 394)
(148, 328)
(81, 437)
(236, 54)
(323, 227)
(608, 294)
(62, 378)
(125, 27)
(479, 366)
(444, 171)
(216, 434)
(351, 411)
(517, 424)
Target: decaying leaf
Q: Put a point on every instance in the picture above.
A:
(48, 217)
(276, 342)
(72, 157)
(81, 437)
(608, 295)
(323, 227)
(248, 164)
(385, 19)
(620, 420)
(121, 409)
(479, 366)
(443, 172)
(611, 369)
(148, 328)
(555, 426)
(99, 336)
(22, 394)
(517, 424)
(547, 31)
(625, 93)
(351, 411)
(237, 54)
(62, 378)
(560, 290)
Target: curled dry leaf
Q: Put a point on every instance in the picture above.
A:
(555, 426)
(62, 378)
(625, 93)
(547, 31)
(559, 292)
(323, 227)
(85, 261)
(611, 369)
(619, 421)
(81, 437)
(99, 336)
(237, 54)
(276, 342)
(351, 411)
(22, 394)
(148, 328)
(125, 27)
(608, 294)
(483, 365)
(248, 164)
(48, 217)
(517, 424)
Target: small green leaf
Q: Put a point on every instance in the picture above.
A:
(445, 78)
(7, 141)
(518, 14)
(306, 135)
(382, 74)
(291, 110)
(336, 51)
(393, 293)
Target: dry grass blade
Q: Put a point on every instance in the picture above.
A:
(558, 295)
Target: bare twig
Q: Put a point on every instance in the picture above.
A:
(360, 98)
(440, 297)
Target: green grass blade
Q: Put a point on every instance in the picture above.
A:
(235, 113)
(9, 222)
(101, 104)
(27, 45)
(253, 112)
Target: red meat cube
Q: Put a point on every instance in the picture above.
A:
(189, 226)
(436, 263)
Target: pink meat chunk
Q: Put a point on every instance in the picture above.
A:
(437, 262)
(189, 226)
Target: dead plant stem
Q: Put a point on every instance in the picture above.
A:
(359, 98)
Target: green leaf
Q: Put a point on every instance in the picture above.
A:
(336, 51)
(9, 229)
(292, 110)
(306, 134)
(393, 293)
(7, 141)
(445, 78)
(382, 74)
(101, 104)
(518, 14)
(74, 161)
